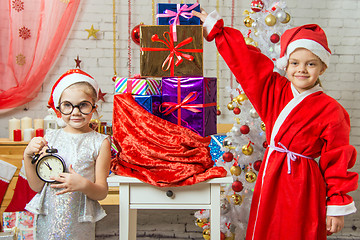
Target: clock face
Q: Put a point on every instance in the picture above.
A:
(50, 166)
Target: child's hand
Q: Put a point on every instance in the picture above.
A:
(35, 146)
(202, 15)
(334, 224)
(70, 182)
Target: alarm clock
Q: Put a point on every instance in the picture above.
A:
(49, 165)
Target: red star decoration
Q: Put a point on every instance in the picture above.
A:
(78, 61)
(101, 95)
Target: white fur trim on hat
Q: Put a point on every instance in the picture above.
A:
(310, 45)
(69, 80)
(315, 47)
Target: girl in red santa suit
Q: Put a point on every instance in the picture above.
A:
(303, 184)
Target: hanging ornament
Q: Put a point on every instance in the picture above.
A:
(230, 106)
(228, 156)
(275, 38)
(257, 165)
(287, 19)
(222, 236)
(250, 176)
(253, 113)
(249, 40)
(248, 21)
(218, 112)
(270, 20)
(224, 206)
(237, 186)
(206, 234)
(247, 149)
(237, 199)
(237, 110)
(227, 142)
(242, 97)
(201, 222)
(262, 126)
(244, 129)
(265, 144)
(232, 237)
(101, 95)
(77, 61)
(92, 32)
(135, 34)
(281, 16)
(257, 5)
(235, 170)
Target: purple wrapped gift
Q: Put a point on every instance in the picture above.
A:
(191, 103)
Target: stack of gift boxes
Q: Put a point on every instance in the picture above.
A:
(171, 83)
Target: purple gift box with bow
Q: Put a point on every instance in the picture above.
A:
(191, 103)
(180, 14)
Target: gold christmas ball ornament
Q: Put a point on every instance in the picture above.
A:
(250, 176)
(242, 97)
(248, 21)
(287, 19)
(230, 106)
(262, 126)
(235, 170)
(201, 222)
(247, 149)
(237, 199)
(206, 234)
(270, 20)
(248, 40)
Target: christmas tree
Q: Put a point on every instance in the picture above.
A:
(245, 144)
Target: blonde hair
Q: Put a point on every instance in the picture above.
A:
(86, 88)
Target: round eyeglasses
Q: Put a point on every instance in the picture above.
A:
(84, 107)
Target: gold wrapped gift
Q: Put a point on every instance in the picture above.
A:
(160, 56)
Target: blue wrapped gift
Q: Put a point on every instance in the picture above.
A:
(150, 103)
(215, 146)
(180, 14)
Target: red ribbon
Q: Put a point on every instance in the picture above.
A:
(174, 51)
(172, 106)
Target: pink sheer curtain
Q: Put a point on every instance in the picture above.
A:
(32, 33)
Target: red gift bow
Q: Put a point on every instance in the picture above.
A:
(181, 11)
(174, 50)
(171, 106)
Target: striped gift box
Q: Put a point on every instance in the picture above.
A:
(138, 86)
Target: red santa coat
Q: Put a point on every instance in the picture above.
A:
(292, 205)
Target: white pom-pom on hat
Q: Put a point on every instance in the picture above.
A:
(310, 37)
(70, 77)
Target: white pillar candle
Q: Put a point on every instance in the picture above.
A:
(13, 124)
(26, 122)
(29, 133)
(38, 123)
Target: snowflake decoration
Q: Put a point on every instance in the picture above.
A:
(24, 33)
(18, 5)
(20, 59)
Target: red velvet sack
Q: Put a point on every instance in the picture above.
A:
(156, 151)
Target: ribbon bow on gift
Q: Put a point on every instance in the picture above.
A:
(183, 11)
(172, 106)
(175, 51)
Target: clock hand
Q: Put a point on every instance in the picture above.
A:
(47, 164)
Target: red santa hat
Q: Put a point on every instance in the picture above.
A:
(70, 77)
(309, 36)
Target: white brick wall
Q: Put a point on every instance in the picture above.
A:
(340, 20)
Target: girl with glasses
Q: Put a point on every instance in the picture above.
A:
(69, 208)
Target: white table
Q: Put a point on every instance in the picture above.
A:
(134, 194)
